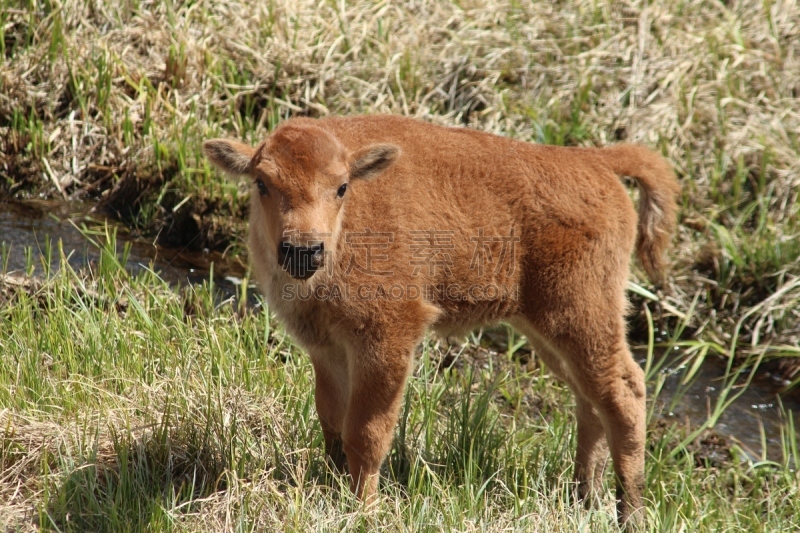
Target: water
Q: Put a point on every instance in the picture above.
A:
(30, 224)
(755, 418)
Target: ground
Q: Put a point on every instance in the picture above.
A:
(128, 406)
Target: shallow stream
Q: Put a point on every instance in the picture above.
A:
(30, 224)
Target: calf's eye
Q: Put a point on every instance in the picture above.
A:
(262, 188)
(341, 190)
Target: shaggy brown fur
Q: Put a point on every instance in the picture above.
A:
(450, 229)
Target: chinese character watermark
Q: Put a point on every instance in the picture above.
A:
(483, 254)
(430, 248)
(372, 243)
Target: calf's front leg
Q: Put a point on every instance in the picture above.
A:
(378, 377)
(330, 397)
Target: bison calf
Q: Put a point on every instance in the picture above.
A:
(365, 232)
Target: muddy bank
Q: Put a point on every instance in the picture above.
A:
(150, 206)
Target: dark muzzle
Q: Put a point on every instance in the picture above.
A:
(301, 262)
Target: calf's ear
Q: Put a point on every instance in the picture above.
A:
(372, 160)
(229, 156)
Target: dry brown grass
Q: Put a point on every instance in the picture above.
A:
(110, 101)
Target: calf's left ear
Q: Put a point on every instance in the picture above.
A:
(229, 156)
(372, 160)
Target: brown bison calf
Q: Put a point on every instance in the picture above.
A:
(365, 232)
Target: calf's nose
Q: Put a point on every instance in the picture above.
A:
(301, 262)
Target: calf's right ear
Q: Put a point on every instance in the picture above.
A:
(229, 156)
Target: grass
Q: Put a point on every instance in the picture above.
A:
(127, 405)
(109, 102)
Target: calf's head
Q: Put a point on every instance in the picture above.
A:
(301, 177)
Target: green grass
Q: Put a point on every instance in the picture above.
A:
(111, 103)
(127, 405)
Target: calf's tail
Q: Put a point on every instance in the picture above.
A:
(658, 192)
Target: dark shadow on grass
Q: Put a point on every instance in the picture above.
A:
(129, 487)
(136, 483)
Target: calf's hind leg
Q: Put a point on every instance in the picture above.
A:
(591, 453)
(611, 381)
(610, 396)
